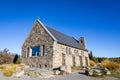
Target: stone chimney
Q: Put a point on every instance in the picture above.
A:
(82, 42)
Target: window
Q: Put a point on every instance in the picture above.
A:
(75, 51)
(36, 51)
(42, 50)
(68, 50)
(81, 41)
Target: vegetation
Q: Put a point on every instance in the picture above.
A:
(115, 73)
(93, 58)
(76, 68)
(8, 61)
(100, 59)
(92, 63)
(17, 59)
(110, 65)
(114, 67)
(9, 70)
(113, 64)
(7, 57)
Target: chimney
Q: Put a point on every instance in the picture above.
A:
(82, 42)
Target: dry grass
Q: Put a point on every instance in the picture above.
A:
(110, 65)
(74, 68)
(92, 63)
(9, 69)
(2, 67)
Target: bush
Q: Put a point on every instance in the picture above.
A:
(17, 60)
(6, 57)
(110, 65)
(92, 63)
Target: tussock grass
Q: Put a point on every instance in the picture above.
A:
(9, 69)
(92, 63)
(111, 65)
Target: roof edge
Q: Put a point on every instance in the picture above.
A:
(46, 29)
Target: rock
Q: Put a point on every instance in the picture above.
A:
(57, 72)
(88, 68)
(99, 74)
(106, 69)
(66, 68)
(26, 67)
(98, 67)
(89, 72)
(18, 73)
(107, 72)
(97, 70)
(37, 74)
(62, 68)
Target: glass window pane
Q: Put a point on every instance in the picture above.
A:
(36, 51)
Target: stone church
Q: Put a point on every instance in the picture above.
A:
(48, 48)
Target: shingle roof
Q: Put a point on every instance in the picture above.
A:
(64, 39)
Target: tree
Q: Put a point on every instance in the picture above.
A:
(91, 55)
(17, 59)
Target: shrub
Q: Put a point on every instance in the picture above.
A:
(110, 65)
(92, 63)
(18, 60)
(6, 57)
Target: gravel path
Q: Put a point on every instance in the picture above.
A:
(74, 76)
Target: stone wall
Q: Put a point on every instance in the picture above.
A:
(60, 49)
(38, 36)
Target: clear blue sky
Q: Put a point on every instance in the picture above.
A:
(97, 20)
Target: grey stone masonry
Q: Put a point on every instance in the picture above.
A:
(38, 36)
(48, 48)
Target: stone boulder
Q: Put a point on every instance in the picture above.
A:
(18, 73)
(66, 68)
(57, 72)
(97, 71)
(62, 68)
(89, 72)
(107, 72)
